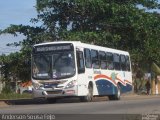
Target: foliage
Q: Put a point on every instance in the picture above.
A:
(14, 67)
(116, 24)
(6, 89)
(12, 96)
(120, 24)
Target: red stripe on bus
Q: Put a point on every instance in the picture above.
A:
(104, 76)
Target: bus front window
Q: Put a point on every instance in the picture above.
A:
(63, 65)
(53, 66)
(41, 66)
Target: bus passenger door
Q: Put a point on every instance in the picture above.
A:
(81, 77)
(80, 62)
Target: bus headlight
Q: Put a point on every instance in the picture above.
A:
(71, 84)
(37, 85)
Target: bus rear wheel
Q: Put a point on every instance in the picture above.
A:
(89, 96)
(117, 96)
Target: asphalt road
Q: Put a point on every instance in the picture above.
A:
(113, 109)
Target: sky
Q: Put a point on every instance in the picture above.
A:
(15, 12)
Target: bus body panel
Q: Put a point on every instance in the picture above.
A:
(105, 82)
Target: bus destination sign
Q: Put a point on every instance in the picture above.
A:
(50, 48)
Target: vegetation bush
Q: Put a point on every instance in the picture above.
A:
(15, 96)
(6, 90)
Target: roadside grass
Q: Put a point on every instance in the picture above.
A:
(11, 96)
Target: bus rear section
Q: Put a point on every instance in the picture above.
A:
(107, 72)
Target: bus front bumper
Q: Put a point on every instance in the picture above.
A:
(53, 94)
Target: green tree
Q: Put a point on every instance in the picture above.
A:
(14, 67)
(118, 24)
(111, 23)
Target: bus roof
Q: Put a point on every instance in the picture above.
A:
(55, 42)
(85, 45)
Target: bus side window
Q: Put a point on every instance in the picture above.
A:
(80, 62)
(123, 62)
(87, 54)
(103, 62)
(95, 59)
(127, 64)
(110, 65)
(116, 60)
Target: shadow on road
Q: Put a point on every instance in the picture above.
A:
(44, 101)
(25, 101)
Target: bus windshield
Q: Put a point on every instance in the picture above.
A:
(56, 65)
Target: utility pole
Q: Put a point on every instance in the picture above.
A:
(1, 86)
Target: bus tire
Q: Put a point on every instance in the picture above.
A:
(51, 100)
(117, 96)
(89, 96)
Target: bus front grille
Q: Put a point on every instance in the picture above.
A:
(55, 92)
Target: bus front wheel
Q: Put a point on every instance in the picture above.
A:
(89, 96)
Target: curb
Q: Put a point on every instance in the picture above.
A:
(8, 102)
(139, 97)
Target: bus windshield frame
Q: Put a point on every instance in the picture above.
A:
(56, 61)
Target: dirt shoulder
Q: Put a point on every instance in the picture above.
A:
(3, 103)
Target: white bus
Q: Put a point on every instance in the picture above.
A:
(75, 69)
